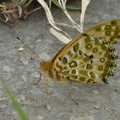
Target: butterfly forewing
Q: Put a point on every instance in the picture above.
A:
(100, 30)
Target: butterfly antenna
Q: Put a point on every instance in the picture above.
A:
(34, 59)
(30, 49)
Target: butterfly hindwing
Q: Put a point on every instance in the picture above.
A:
(108, 31)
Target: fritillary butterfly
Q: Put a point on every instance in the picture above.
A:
(89, 58)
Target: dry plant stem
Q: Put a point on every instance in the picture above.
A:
(84, 7)
(63, 24)
(60, 36)
(31, 12)
(16, 9)
(50, 17)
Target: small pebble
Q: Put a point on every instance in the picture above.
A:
(20, 49)
(97, 107)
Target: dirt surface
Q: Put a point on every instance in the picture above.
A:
(96, 102)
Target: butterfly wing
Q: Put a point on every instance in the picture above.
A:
(86, 59)
(107, 30)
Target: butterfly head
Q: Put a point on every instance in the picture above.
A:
(46, 65)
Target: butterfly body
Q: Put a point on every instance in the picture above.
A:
(47, 67)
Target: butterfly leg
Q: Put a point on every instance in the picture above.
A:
(69, 91)
(47, 86)
(45, 105)
(71, 94)
(40, 78)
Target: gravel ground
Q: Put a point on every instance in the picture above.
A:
(96, 102)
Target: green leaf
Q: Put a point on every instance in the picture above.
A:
(20, 111)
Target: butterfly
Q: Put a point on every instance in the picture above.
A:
(89, 58)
